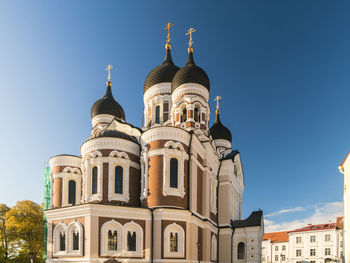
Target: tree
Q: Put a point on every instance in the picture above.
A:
(24, 223)
(4, 244)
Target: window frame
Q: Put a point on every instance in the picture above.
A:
(174, 228)
(121, 159)
(74, 225)
(111, 225)
(174, 150)
(132, 226)
(238, 251)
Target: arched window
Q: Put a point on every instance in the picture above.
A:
(184, 115)
(118, 187)
(173, 173)
(112, 240)
(75, 240)
(241, 251)
(94, 180)
(131, 242)
(133, 239)
(157, 114)
(174, 242)
(71, 192)
(62, 241)
(196, 114)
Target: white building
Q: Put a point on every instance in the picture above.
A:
(275, 247)
(313, 244)
(344, 168)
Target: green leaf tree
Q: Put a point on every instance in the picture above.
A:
(4, 243)
(24, 223)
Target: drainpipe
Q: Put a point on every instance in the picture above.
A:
(188, 172)
(152, 227)
(233, 230)
(217, 213)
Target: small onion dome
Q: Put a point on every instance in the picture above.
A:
(107, 105)
(190, 73)
(219, 131)
(163, 73)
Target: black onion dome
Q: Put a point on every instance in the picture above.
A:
(219, 131)
(190, 73)
(107, 105)
(163, 73)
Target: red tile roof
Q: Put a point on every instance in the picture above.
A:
(340, 222)
(276, 237)
(315, 227)
(343, 162)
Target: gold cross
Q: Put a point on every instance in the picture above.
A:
(109, 67)
(217, 98)
(168, 26)
(189, 32)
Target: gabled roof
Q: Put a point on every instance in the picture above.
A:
(315, 227)
(276, 237)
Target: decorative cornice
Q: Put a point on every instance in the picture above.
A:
(190, 88)
(158, 89)
(65, 160)
(110, 143)
(165, 133)
(97, 210)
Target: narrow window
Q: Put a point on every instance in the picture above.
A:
(131, 241)
(118, 184)
(71, 192)
(184, 115)
(158, 114)
(173, 172)
(112, 240)
(196, 114)
(94, 180)
(173, 242)
(62, 241)
(75, 240)
(241, 251)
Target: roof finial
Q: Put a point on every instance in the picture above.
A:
(168, 26)
(190, 42)
(109, 67)
(217, 98)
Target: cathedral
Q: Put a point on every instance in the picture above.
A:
(170, 191)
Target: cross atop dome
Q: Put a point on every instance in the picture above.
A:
(190, 42)
(108, 68)
(217, 98)
(168, 26)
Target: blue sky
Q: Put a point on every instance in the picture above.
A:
(280, 66)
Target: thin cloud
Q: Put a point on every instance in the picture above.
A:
(283, 211)
(322, 213)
